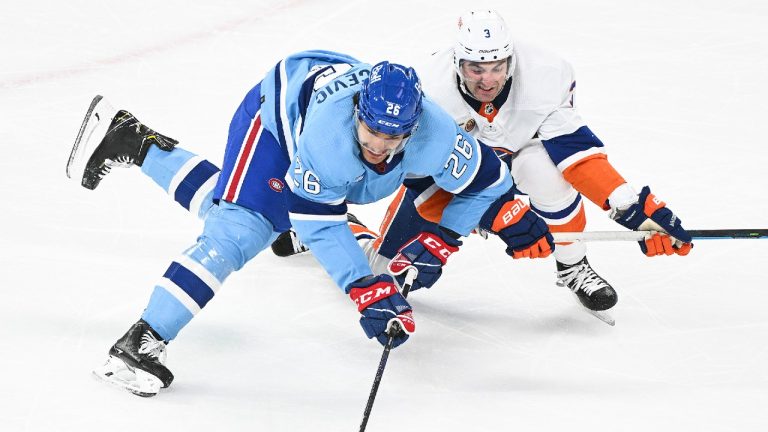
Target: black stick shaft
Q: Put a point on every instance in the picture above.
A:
(729, 233)
(385, 355)
(376, 382)
(708, 234)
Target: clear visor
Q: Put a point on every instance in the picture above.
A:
(495, 66)
(397, 144)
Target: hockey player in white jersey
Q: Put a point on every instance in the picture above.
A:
(336, 131)
(519, 100)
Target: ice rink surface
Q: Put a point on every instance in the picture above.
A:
(676, 89)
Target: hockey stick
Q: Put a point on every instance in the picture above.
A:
(410, 276)
(717, 234)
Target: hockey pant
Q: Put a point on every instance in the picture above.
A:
(551, 196)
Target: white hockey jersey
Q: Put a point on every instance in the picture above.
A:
(538, 108)
(539, 104)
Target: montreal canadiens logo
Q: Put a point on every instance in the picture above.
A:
(276, 184)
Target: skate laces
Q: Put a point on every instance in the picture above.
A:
(298, 246)
(581, 277)
(152, 347)
(120, 161)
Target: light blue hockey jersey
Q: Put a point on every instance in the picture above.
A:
(308, 104)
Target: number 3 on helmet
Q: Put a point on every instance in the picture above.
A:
(483, 37)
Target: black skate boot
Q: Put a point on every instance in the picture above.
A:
(287, 243)
(137, 362)
(594, 292)
(109, 138)
(352, 219)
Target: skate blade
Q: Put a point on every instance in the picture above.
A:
(603, 316)
(92, 131)
(136, 381)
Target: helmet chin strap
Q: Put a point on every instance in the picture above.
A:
(401, 146)
(463, 85)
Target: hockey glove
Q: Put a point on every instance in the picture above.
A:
(427, 252)
(524, 232)
(381, 306)
(650, 213)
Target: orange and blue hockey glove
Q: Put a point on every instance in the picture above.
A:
(524, 232)
(650, 213)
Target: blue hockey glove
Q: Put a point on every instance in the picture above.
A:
(524, 232)
(427, 252)
(650, 213)
(381, 306)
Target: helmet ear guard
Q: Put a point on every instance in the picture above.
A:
(390, 99)
(483, 36)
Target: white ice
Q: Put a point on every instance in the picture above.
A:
(676, 89)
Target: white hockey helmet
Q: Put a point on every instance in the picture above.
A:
(483, 37)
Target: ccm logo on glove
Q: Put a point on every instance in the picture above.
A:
(436, 247)
(365, 297)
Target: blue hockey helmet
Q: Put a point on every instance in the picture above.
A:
(390, 99)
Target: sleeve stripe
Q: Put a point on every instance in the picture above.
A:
(283, 121)
(424, 196)
(502, 176)
(572, 159)
(339, 201)
(300, 207)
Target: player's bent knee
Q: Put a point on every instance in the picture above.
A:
(236, 234)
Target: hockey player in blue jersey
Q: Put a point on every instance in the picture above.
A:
(519, 99)
(335, 131)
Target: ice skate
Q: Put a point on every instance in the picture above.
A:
(594, 293)
(288, 244)
(137, 362)
(109, 138)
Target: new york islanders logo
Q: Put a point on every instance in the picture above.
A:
(276, 184)
(469, 125)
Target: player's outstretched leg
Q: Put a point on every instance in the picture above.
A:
(108, 138)
(137, 362)
(594, 292)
